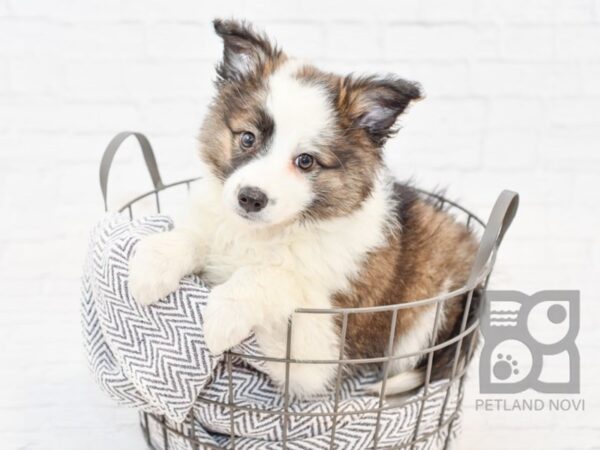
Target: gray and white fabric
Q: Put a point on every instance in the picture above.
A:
(154, 358)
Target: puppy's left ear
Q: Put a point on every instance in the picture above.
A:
(374, 104)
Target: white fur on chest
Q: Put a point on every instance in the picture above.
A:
(313, 261)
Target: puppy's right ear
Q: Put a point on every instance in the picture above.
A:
(244, 49)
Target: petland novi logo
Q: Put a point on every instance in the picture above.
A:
(529, 343)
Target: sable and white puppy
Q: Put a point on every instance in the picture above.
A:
(299, 210)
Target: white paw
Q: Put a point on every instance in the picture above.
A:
(153, 271)
(227, 321)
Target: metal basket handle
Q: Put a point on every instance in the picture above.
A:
(111, 150)
(501, 217)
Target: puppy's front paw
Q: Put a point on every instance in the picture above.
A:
(153, 272)
(227, 321)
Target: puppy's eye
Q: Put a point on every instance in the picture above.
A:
(247, 140)
(304, 161)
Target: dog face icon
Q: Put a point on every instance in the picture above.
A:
(522, 334)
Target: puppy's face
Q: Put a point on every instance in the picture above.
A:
(290, 142)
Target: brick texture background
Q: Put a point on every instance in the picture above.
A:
(513, 101)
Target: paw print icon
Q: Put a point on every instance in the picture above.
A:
(529, 342)
(505, 367)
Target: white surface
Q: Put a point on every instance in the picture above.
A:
(513, 102)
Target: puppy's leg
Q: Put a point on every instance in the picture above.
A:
(161, 260)
(314, 338)
(253, 296)
(262, 300)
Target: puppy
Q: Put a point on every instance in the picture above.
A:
(299, 211)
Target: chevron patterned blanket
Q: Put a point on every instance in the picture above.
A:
(154, 358)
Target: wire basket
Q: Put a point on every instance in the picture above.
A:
(439, 431)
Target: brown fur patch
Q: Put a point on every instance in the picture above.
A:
(239, 103)
(427, 248)
(350, 163)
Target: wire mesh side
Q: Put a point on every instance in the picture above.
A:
(338, 379)
(285, 415)
(231, 400)
(386, 372)
(286, 387)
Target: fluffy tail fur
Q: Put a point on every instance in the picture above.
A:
(398, 384)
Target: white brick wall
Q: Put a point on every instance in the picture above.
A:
(513, 102)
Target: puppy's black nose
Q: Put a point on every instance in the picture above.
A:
(252, 199)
